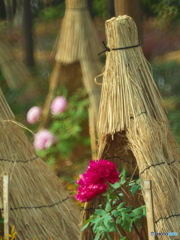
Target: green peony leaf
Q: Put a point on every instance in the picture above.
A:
(120, 205)
(115, 213)
(85, 226)
(135, 188)
(115, 185)
(108, 207)
(100, 212)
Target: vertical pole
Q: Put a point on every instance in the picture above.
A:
(9, 11)
(110, 7)
(149, 209)
(6, 205)
(28, 34)
(132, 9)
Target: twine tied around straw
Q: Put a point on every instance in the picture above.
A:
(107, 49)
(40, 206)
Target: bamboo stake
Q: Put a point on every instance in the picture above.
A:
(149, 208)
(6, 205)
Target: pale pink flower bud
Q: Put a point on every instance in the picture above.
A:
(33, 114)
(58, 105)
(43, 139)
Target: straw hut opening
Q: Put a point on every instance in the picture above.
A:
(39, 205)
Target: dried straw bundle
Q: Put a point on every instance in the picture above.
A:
(124, 94)
(76, 56)
(39, 206)
(131, 109)
(79, 43)
(116, 149)
(78, 38)
(158, 160)
(90, 69)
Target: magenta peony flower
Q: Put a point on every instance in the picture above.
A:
(58, 105)
(94, 181)
(99, 172)
(86, 194)
(43, 139)
(33, 114)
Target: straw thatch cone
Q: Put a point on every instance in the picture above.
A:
(78, 42)
(39, 206)
(78, 38)
(124, 94)
(114, 147)
(131, 109)
(76, 57)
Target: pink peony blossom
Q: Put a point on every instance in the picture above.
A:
(86, 194)
(43, 139)
(33, 114)
(58, 105)
(99, 172)
(94, 181)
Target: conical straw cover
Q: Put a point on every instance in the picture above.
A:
(131, 110)
(78, 38)
(128, 89)
(39, 205)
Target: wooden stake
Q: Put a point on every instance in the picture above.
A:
(6, 205)
(149, 209)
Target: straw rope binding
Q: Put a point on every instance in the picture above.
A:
(22, 161)
(113, 49)
(43, 206)
(158, 164)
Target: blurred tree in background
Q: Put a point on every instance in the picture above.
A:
(132, 9)
(165, 11)
(28, 34)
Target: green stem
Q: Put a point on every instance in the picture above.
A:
(127, 196)
(137, 232)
